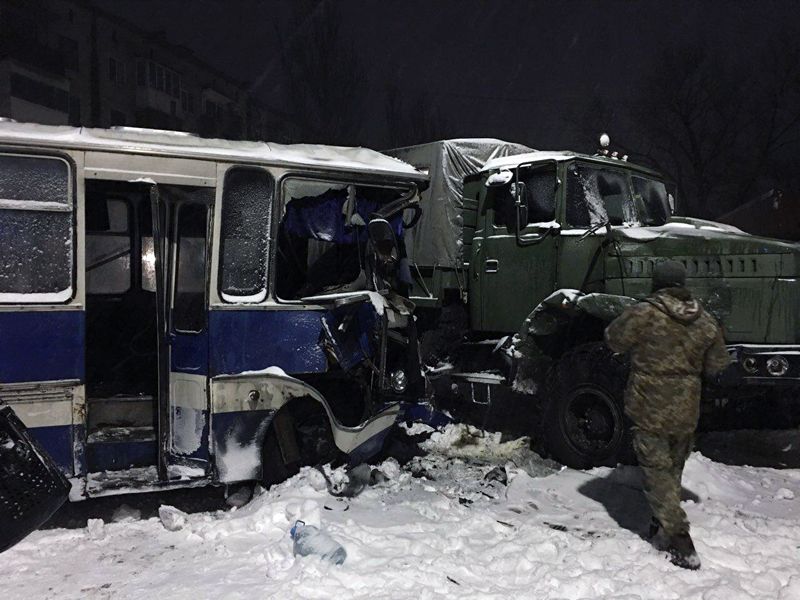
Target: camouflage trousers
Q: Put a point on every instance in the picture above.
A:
(661, 458)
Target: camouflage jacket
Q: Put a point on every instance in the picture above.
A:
(672, 342)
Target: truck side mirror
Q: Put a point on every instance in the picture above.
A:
(382, 237)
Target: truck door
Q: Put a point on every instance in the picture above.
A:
(180, 226)
(515, 263)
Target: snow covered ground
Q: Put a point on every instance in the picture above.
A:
(437, 528)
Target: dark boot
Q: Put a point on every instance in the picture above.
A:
(657, 536)
(655, 527)
(682, 553)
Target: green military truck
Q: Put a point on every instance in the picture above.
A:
(523, 257)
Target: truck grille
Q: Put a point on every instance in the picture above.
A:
(726, 266)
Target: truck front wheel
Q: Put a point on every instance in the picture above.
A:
(584, 422)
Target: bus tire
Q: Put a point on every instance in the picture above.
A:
(300, 435)
(584, 422)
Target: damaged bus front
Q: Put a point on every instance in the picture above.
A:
(179, 311)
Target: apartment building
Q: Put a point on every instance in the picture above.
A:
(71, 62)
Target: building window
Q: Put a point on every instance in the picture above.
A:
(158, 77)
(187, 102)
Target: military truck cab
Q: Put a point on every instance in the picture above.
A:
(562, 243)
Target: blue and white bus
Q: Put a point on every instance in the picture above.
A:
(178, 311)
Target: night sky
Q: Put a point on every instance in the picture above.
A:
(511, 69)
(551, 75)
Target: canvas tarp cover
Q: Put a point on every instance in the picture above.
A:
(437, 240)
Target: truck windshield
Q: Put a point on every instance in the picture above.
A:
(653, 199)
(597, 195)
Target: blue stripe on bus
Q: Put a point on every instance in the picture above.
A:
(189, 353)
(117, 456)
(250, 340)
(41, 345)
(57, 442)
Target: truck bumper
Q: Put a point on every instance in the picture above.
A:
(771, 365)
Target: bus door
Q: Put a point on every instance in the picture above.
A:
(181, 225)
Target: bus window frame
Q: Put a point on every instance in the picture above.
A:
(132, 215)
(279, 211)
(176, 262)
(75, 206)
(217, 265)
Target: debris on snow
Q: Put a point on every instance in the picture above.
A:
(171, 518)
(549, 533)
(95, 528)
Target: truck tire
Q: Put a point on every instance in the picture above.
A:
(584, 422)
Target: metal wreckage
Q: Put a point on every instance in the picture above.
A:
(179, 312)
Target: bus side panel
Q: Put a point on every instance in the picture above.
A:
(251, 340)
(53, 413)
(41, 367)
(41, 345)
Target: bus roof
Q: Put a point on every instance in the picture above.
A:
(177, 143)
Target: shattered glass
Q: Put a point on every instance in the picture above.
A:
(596, 196)
(654, 198)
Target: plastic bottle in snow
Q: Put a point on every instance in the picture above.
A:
(311, 540)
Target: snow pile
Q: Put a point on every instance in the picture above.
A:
(444, 525)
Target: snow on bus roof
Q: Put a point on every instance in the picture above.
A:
(131, 139)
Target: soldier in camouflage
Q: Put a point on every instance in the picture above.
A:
(672, 342)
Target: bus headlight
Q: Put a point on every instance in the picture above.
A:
(777, 366)
(398, 381)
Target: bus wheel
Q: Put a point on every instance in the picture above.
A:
(300, 435)
(584, 422)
